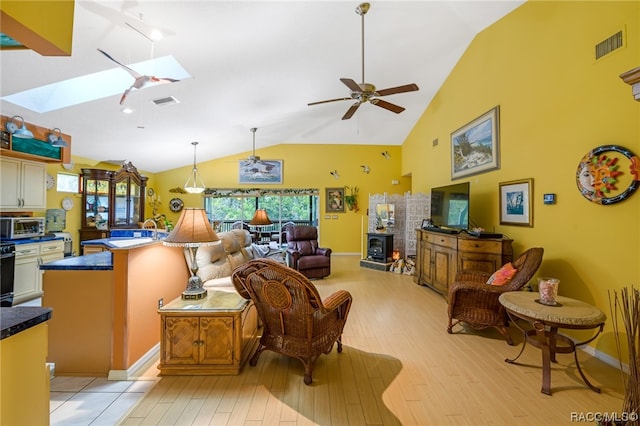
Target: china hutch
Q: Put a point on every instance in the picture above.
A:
(111, 200)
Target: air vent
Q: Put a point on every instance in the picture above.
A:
(170, 100)
(607, 46)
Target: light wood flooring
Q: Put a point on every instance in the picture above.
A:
(399, 366)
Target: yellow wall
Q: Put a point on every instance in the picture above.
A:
(306, 166)
(556, 103)
(43, 26)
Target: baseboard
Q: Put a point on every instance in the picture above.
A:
(141, 363)
(607, 359)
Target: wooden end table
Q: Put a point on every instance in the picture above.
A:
(209, 336)
(546, 320)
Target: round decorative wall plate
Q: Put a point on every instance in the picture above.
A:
(50, 181)
(175, 205)
(601, 176)
(67, 203)
(150, 192)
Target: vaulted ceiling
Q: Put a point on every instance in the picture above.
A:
(248, 64)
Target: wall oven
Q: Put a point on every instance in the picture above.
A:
(7, 270)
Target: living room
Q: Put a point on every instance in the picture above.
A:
(556, 104)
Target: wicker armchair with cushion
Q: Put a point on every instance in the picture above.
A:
(303, 253)
(296, 321)
(473, 297)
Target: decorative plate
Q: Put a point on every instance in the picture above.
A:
(50, 181)
(175, 205)
(601, 176)
(150, 192)
(67, 203)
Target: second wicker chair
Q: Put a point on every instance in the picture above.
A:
(474, 302)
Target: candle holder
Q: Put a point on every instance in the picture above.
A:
(548, 289)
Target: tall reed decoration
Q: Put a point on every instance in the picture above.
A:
(625, 311)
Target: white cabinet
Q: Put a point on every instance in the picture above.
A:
(23, 185)
(28, 276)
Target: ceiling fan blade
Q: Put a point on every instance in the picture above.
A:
(329, 100)
(400, 89)
(355, 87)
(352, 110)
(387, 105)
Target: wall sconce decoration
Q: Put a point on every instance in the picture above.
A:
(335, 174)
(55, 139)
(365, 169)
(386, 155)
(18, 132)
(192, 187)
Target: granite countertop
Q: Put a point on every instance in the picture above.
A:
(33, 240)
(90, 262)
(20, 318)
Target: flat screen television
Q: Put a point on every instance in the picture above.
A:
(450, 206)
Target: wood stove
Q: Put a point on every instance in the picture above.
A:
(380, 247)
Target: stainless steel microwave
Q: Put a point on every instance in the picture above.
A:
(13, 228)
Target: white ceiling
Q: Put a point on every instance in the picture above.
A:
(253, 64)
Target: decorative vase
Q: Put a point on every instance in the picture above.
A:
(548, 289)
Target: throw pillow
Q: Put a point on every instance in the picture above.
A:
(503, 275)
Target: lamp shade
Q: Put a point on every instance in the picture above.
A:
(192, 230)
(260, 218)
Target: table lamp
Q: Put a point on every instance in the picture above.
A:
(192, 231)
(260, 218)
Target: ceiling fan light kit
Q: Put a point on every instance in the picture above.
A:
(194, 184)
(366, 92)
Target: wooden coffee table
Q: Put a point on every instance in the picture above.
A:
(546, 320)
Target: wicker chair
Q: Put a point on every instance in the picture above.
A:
(296, 321)
(473, 301)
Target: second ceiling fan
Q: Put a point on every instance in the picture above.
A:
(367, 92)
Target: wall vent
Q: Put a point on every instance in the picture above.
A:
(610, 44)
(170, 100)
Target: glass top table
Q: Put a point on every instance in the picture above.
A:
(545, 321)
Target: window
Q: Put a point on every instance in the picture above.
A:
(224, 207)
(68, 183)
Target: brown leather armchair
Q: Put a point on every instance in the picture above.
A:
(303, 253)
(474, 302)
(296, 321)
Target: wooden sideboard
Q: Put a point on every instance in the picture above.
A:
(439, 256)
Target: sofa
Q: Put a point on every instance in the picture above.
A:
(217, 262)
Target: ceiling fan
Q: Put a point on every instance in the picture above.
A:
(253, 158)
(367, 92)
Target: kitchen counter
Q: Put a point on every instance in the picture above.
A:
(48, 237)
(20, 318)
(90, 262)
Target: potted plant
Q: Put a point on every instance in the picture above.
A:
(626, 307)
(351, 198)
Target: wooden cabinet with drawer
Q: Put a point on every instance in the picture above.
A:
(440, 256)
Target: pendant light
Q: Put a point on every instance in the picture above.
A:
(191, 185)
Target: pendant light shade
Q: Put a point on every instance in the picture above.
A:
(194, 184)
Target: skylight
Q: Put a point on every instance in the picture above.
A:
(94, 86)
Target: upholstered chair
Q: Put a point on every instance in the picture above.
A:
(296, 321)
(303, 253)
(474, 301)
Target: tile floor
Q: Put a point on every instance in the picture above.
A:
(96, 401)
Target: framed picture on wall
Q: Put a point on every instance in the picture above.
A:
(475, 146)
(516, 205)
(334, 200)
(260, 171)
